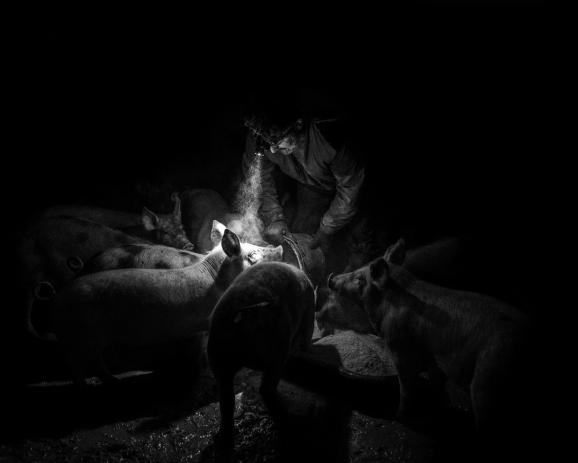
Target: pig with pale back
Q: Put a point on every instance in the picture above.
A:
(166, 229)
(138, 307)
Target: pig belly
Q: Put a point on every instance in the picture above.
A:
(156, 330)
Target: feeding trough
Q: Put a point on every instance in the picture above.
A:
(296, 251)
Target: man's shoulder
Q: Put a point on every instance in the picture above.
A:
(334, 131)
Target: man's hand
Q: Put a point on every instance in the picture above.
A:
(275, 231)
(322, 239)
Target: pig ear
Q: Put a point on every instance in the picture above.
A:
(378, 272)
(177, 200)
(149, 219)
(396, 252)
(231, 244)
(217, 232)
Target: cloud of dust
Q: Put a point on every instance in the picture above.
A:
(248, 225)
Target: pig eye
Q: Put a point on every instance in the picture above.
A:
(253, 256)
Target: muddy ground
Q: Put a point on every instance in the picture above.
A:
(160, 416)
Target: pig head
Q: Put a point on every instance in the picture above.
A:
(164, 229)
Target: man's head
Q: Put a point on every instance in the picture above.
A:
(287, 145)
(281, 135)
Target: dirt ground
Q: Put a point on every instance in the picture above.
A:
(153, 417)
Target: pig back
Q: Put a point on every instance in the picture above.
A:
(257, 319)
(110, 218)
(50, 242)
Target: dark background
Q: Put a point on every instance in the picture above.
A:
(454, 131)
(454, 137)
(458, 138)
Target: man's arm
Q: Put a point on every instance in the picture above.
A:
(349, 175)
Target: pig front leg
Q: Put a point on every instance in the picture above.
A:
(438, 386)
(268, 390)
(83, 354)
(307, 328)
(273, 369)
(226, 437)
(407, 366)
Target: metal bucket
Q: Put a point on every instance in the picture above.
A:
(312, 261)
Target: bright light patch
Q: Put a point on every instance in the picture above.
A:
(247, 202)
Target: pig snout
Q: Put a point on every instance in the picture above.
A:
(174, 239)
(184, 243)
(343, 284)
(273, 253)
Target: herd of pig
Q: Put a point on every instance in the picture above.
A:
(118, 279)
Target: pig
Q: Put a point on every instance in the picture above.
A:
(200, 207)
(266, 315)
(52, 251)
(440, 262)
(133, 308)
(136, 256)
(472, 339)
(164, 229)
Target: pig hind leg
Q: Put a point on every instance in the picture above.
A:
(273, 370)
(269, 382)
(78, 360)
(225, 441)
(503, 397)
(494, 402)
(81, 357)
(224, 371)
